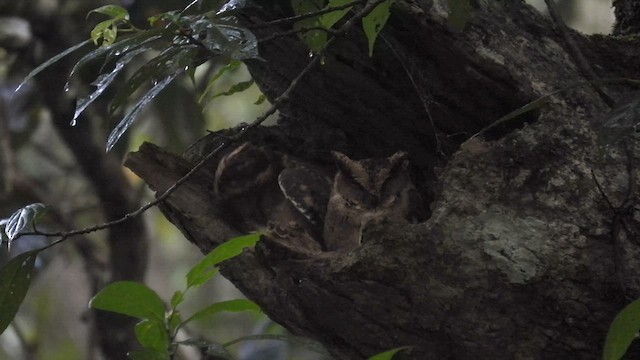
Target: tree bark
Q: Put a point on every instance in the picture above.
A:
(521, 257)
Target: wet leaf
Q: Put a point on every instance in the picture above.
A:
(104, 80)
(316, 40)
(375, 21)
(223, 37)
(115, 50)
(170, 61)
(129, 119)
(230, 7)
(51, 61)
(20, 219)
(129, 298)
(15, 278)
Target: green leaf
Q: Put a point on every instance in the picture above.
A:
(128, 120)
(375, 21)
(622, 332)
(129, 298)
(144, 39)
(15, 278)
(113, 11)
(175, 320)
(237, 305)
(205, 269)
(235, 88)
(104, 80)
(459, 13)
(98, 30)
(51, 61)
(177, 299)
(389, 354)
(151, 333)
(170, 61)
(20, 219)
(109, 35)
(329, 19)
(149, 354)
(230, 66)
(316, 40)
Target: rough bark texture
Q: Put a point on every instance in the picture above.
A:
(521, 257)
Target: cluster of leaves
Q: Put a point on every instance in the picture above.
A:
(15, 276)
(183, 42)
(314, 29)
(158, 327)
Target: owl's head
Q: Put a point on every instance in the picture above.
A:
(372, 174)
(245, 169)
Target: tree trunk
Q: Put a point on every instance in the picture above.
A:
(521, 257)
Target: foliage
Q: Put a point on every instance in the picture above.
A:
(158, 328)
(184, 42)
(622, 332)
(15, 278)
(11, 227)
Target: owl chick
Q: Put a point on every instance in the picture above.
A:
(265, 190)
(366, 191)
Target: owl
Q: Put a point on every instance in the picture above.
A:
(263, 190)
(364, 192)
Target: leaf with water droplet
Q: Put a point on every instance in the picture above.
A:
(51, 61)
(103, 81)
(20, 219)
(128, 120)
(173, 59)
(230, 7)
(315, 39)
(242, 43)
(15, 278)
(121, 47)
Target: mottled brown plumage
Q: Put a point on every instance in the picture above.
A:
(364, 192)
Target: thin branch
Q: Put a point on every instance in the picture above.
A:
(295, 18)
(298, 31)
(576, 53)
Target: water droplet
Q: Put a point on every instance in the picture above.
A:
(310, 54)
(186, 68)
(73, 122)
(66, 87)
